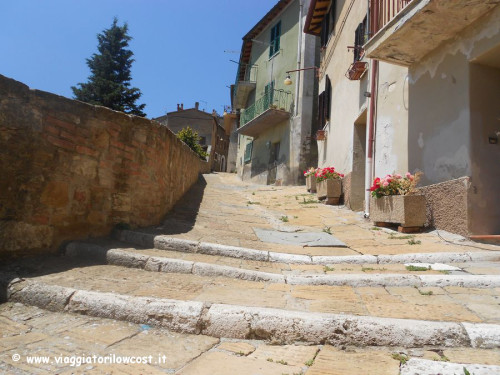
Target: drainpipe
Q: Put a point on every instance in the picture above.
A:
(299, 58)
(369, 167)
(371, 136)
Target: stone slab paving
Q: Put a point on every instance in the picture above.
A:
(455, 304)
(230, 210)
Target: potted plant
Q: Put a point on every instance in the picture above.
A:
(310, 180)
(394, 202)
(321, 135)
(329, 185)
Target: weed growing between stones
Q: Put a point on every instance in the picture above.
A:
(284, 219)
(310, 200)
(402, 358)
(328, 269)
(417, 268)
(327, 230)
(413, 242)
(428, 293)
(393, 236)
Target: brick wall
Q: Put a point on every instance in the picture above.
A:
(70, 170)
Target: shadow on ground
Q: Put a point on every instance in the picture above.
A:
(180, 219)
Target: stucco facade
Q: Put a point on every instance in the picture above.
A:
(277, 119)
(430, 96)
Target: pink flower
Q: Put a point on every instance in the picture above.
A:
(408, 175)
(385, 183)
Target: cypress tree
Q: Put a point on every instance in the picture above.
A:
(109, 82)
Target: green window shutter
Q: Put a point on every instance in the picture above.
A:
(277, 37)
(248, 152)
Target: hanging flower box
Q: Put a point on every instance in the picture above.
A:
(394, 203)
(329, 185)
(321, 135)
(356, 70)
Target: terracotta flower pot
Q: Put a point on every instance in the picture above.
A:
(406, 210)
(331, 190)
(321, 135)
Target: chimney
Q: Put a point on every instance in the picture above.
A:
(178, 107)
(182, 106)
(196, 105)
(214, 113)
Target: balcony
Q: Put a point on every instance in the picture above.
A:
(404, 31)
(245, 84)
(267, 111)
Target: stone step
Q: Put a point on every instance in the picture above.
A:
(27, 330)
(449, 303)
(417, 366)
(133, 258)
(244, 322)
(164, 242)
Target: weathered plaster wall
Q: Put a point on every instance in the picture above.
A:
(71, 170)
(485, 123)
(453, 110)
(294, 134)
(439, 118)
(273, 69)
(260, 170)
(391, 134)
(337, 150)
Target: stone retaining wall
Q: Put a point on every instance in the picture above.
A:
(71, 170)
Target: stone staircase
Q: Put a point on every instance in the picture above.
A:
(282, 295)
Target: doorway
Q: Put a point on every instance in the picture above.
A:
(355, 198)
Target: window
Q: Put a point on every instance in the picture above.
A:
(360, 38)
(269, 94)
(275, 39)
(275, 152)
(325, 101)
(327, 26)
(203, 141)
(248, 152)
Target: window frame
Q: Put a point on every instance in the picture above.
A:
(274, 43)
(247, 158)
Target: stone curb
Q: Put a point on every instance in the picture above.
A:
(182, 245)
(417, 366)
(243, 322)
(160, 264)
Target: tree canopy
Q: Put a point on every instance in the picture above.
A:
(191, 138)
(109, 82)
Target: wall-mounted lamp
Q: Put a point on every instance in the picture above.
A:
(288, 80)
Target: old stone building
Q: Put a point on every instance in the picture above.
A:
(213, 138)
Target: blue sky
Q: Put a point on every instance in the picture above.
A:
(178, 45)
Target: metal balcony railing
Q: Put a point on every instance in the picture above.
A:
(274, 99)
(383, 11)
